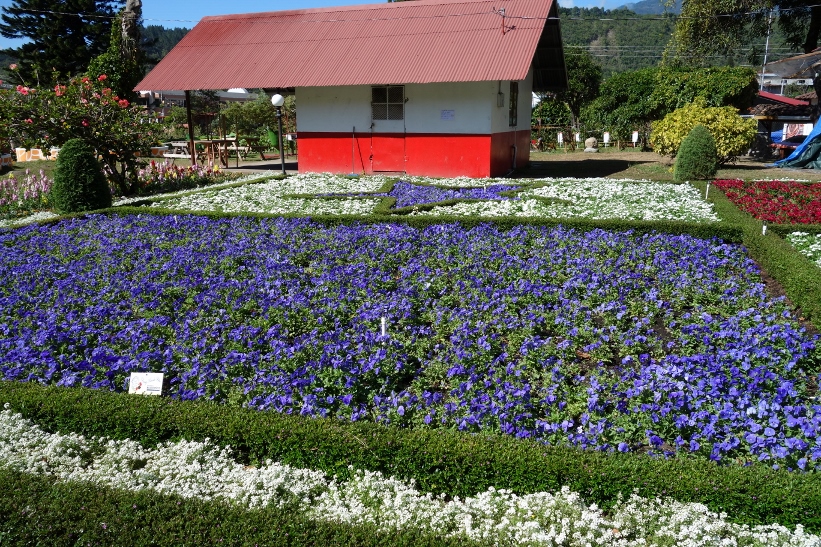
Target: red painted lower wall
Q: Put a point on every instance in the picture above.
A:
(434, 155)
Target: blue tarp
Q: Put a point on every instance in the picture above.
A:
(806, 154)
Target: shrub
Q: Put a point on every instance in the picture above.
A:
(732, 133)
(79, 183)
(697, 158)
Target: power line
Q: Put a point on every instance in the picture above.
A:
(670, 17)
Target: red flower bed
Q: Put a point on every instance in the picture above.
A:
(776, 201)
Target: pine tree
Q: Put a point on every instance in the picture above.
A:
(64, 35)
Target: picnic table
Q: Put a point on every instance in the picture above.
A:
(784, 149)
(177, 149)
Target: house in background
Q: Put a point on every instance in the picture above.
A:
(429, 87)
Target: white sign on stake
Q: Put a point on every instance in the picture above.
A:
(145, 383)
(764, 230)
(707, 191)
(384, 327)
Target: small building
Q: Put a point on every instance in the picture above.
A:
(425, 87)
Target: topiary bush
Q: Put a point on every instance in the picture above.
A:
(732, 133)
(697, 158)
(79, 183)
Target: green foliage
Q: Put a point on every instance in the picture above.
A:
(716, 86)
(441, 461)
(699, 38)
(697, 158)
(62, 37)
(631, 101)
(625, 104)
(79, 183)
(732, 133)
(158, 41)
(122, 62)
(584, 77)
(254, 118)
(620, 40)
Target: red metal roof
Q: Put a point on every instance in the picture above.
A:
(421, 41)
(782, 99)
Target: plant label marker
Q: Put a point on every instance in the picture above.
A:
(384, 327)
(764, 230)
(145, 383)
(707, 191)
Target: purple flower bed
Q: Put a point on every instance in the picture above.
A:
(605, 340)
(409, 195)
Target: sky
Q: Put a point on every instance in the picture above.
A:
(186, 13)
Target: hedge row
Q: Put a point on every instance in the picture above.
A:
(36, 510)
(799, 276)
(441, 461)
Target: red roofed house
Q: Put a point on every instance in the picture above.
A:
(426, 87)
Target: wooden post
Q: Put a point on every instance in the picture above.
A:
(191, 146)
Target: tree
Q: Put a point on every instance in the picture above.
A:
(709, 27)
(584, 77)
(626, 104)
(124, 60)
(64, 36)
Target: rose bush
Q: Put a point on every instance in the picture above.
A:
(83, 108)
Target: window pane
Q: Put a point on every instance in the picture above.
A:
(379, 94)
(396, 94)
(395, 111)
(380, 111)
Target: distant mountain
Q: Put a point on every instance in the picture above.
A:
(652, 7)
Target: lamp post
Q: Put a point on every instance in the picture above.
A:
(278, 100)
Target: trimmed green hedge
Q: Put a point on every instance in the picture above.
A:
(441, 461)
(37, 510)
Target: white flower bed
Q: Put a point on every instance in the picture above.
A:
(268, 197)
(808, 244)
(36, 217)
(597, 198)
(200, 470)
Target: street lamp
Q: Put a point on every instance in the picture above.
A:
(278, 100)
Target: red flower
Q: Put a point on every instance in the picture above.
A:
(59, 90)
(22, 90)
(123, 103)
(101, 77)
(85, 123)
(85, 79)
(783, 202)
(13, 66)
(29, 120)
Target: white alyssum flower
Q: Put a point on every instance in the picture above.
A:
(22, 221)
(245, 178)
(807, 244)
(271, 196)
(595, 198)
(201, 470)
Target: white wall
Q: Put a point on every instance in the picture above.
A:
(501, 116)
(456, 108)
